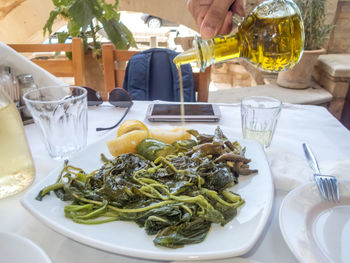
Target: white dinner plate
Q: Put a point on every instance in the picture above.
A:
(18, 249)
(126, 238)
(316, 230)
(228, 260)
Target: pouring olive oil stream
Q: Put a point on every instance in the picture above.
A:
(271, 38)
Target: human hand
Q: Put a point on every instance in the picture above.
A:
(214, 16)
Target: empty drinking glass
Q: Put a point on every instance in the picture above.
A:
(259, 116)
(61, 114)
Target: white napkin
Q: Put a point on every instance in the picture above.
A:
(289, 170)
(22, 65)
(339, 169)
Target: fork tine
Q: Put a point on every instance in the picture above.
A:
(334, 182)
(320, 186)
(331, 188)
(334, 189)
(337, 190)
(325, 187)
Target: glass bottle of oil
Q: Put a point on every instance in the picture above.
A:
(16, 164)
(271, 37)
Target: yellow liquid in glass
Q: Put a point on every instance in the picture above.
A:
(264, 137)
(16, 165)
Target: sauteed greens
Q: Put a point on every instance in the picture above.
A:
(175, 191)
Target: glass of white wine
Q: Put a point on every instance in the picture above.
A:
(16, 165)
(259, 117)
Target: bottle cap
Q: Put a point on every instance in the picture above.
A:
(5, 69)
(25, 78)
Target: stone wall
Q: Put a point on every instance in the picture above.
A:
(340, 37)
(231, 73)
(333, 73)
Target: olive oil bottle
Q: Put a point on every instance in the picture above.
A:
(271, 37)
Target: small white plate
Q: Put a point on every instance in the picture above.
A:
(126, 238)
(316, 230)
(18, 249)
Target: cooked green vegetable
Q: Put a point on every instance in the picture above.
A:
(174, 191)
(151, 149)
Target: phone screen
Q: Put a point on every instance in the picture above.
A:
(190, 109)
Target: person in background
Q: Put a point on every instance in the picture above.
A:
(215, 16)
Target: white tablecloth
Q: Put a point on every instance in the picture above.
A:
(311, 124)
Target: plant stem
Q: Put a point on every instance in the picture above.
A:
(93, 33)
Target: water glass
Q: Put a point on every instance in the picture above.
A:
(61, 114)
(259, 117)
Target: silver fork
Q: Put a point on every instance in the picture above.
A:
(327, 184)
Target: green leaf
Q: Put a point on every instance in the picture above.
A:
(316, 31)
(85, 41)
(62, 36)
(63, 2)
(73, 28)
(186, 233)
(128, 33)
(109, 12)
(151, 149)
(81, 16)
(184, 145)
(81, 11)
(119, 34)
(116, 4)
(50, 21)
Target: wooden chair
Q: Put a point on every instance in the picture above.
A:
(114, 74)
(59, 67)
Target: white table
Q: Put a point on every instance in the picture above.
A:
(311, 124)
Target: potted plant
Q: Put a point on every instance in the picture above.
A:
(85, 19)
(316, 32)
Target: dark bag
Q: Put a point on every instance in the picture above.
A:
(152, 75)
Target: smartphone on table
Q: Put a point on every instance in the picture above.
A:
(171, 112)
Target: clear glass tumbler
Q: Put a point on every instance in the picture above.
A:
(61, 114)
(259, 117)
